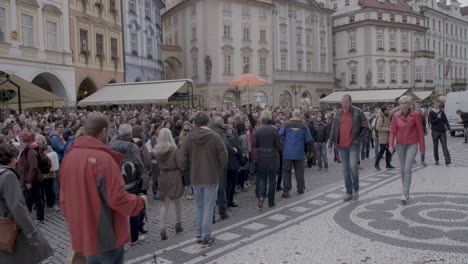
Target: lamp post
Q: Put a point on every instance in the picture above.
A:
(295, 89)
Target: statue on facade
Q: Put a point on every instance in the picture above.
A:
(369, 77)
(208, 68)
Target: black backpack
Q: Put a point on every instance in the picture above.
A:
(128, 168)
(43, 162)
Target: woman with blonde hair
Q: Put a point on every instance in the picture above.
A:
(171, 187)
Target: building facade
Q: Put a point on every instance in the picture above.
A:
(214, 41)
(447, 38)
(143, 39)
(34, 44)
(96, 43)
(380, 44)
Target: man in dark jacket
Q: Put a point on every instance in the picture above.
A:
(439, 126)
(348, 129)
(320, 135)
(464, 121)
(297, 138)
(202, 154)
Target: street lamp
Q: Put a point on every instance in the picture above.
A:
(295, 89)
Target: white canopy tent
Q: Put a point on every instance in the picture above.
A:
(369, 96)
(151, 92)
(423, 95)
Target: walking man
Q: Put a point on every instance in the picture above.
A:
(439, 125)
(204, 157)
(349, 127)
(297, 138)
(94, 202)
(464, 121)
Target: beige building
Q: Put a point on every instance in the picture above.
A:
(214, 41)
(96, 43)
(380, 44)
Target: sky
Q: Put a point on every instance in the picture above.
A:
(463, 2)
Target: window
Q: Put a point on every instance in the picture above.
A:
(351, 19)
(131, 6)
(284, 59)
(83, 41)
(148, 9)
(446, 49)
(392, 17)
(299, 64)
(263, 12)
(227, 31)
(227, 64)
(262, 65)
(404, 42)
(245, 10)
(433, 24)
(417, 21)
(227, 7)
(283, 35)
(433, 46)
(428, 73)
(245, 33)
(194, 33)
(352, 41)
(392, 40)
(380, 73)
(456, 51)
(99, 44)
(112, 5)
(246, 64)
(2, 24)
(27, 32)
(51, 28)
(404, 73)
(404, 19)
(176, 38)
(194, 9)
(299, 39)
(322, 42)
(379, 16)
(322, 62)
(440, 72)
(309, 64)
(440, 48)
(262, 35)
(346, 2)
(195, 66)
(114, 53)
(393, 77)
(335, 6)
(133, 42)
(419, 74)
(380, 41)
(353, 74)
(309, 40)
(149, 47)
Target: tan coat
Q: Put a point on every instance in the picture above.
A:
(170, 177)
(383, 127)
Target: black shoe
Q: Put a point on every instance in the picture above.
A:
(285, 195)
(390, 166)
(143, 231)
(377, 167)
(437, 162)
(279, 188)
(233, 205)
(207, 242)
(300, 192)
(271, 204)
(260, 203)
(448, 163)
(224, 216)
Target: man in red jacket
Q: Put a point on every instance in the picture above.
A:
(94, 202)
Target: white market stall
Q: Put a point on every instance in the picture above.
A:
(369, 96)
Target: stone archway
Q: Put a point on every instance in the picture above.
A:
(51, 83)
(86, 88)
(173, 68)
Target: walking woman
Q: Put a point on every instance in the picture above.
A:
(407, 130)
(171, 187)
(244, 161)
(30, 245)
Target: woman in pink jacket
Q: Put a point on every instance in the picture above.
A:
(407, 129)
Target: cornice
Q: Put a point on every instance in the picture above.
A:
(380, 23)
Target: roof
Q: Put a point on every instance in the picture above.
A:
(368, 96)
(31, 94)
(135, 93)
(399, 5)
(464, 11)
(423, 95)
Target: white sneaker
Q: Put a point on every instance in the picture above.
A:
(56, 208)
(140, 239)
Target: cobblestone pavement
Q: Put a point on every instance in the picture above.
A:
(318, 227)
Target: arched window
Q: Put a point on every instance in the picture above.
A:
(306, 99)
(285, 99)
(230, 99)
(260, 99)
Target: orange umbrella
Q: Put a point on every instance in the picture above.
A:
(248, 80)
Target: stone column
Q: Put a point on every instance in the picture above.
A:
(40, 31)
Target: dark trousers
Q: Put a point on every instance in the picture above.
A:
(280, 173)
(267, 177)
(155, 176)
(231, 186)
(298, 171)
(136, 222)
(221, 199)
(442, 137)
(242, 177)
(49, 192)
(34, 196)
(388, 156)
(114, 256)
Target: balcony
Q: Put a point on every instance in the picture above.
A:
(460, 81)
(424, 54)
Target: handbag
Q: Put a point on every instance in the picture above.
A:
(9, 230)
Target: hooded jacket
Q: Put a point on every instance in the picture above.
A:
(170, 177)
(204, 155)
(28, 164)
(383, 127)
(94, 202)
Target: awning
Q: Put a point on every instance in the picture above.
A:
(31, 94)
(135, 93)
(423, 95)
(369, 96)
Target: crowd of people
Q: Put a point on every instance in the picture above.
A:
(101, 165)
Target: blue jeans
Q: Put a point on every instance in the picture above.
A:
(349, 160)
(205, 197)
(266, 175)
(376, 146)
(322, 155)
(406, 154)
(365, 148)
(114, 256)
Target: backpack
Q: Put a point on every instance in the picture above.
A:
(43, 162)
(128, 168)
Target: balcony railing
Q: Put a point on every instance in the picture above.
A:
(424, 54)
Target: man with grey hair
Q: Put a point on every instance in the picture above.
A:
(132, 169)
(297, 139)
